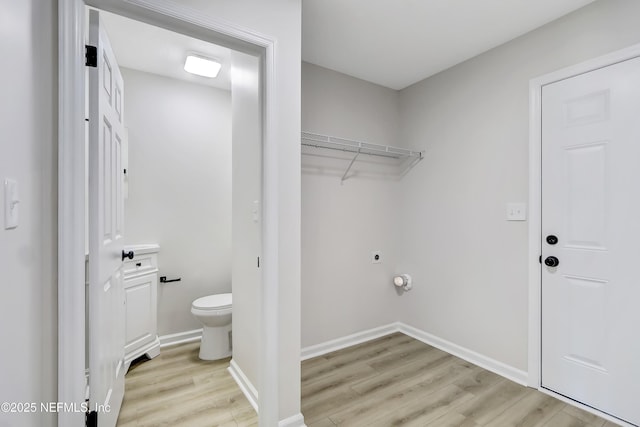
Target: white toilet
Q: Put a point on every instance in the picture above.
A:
(214, 312)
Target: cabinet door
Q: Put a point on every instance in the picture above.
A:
(141, 311)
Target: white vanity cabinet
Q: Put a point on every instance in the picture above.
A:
(141, 302)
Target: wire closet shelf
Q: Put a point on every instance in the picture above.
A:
(316, 140)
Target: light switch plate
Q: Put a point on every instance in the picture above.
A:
(11, 201)
(516, 212)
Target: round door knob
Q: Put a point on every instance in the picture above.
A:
(551, 261)
(129, 255)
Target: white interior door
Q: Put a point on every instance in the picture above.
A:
(591, 204)
(106, 291)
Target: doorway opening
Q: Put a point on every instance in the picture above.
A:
(72, 324)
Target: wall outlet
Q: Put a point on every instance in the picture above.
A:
(516, 212)
(376, 257)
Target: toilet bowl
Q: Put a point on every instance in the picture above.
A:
(214, 312)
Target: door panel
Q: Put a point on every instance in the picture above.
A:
(591, 202)
(106, 338)
(586, 195)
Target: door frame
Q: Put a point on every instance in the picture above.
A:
(71, 187)
(535, 203)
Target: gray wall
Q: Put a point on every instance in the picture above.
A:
(179, 179)
(28, 154)
(342, 291)
(469, 264)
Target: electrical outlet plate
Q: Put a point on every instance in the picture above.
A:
(376, 257)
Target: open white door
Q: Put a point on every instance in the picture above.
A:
(591, 230)
(106, 338)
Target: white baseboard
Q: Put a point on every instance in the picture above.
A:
(247, 388)
(296, 420)
(348, 341)
(502, 369)
(251, 394)
(180, 338)
(509, 372)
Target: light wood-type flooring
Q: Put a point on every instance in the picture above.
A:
(178, 389)
(391, 381)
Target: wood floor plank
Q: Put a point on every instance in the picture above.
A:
(420, 411)
(584, 416)
(363, 352)
(325, 422)
(392, 380)
(493, 401)
(562, 419)
(409, 407)
(339, 378)
(452, 419)
(432, 375)
(394, 395)
(533, 410)
(412, 371)
(479, 381)
(404, 353)
(316, 408)
(178, 389)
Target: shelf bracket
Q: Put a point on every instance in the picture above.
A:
(412, 164)
(350, 164)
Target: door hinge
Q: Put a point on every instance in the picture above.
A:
(91, 56)
(92, 419)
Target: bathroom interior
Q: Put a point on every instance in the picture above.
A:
(181, 189)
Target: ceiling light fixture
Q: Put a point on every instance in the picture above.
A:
(202, 66)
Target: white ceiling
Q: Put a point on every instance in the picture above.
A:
(393, 43)
(155, 50)
(396, 43)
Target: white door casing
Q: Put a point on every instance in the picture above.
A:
(71, 192)
(590, 151)
(106, 230)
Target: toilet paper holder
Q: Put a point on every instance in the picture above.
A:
(403, 281)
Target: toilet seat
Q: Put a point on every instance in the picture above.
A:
(213, 302)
